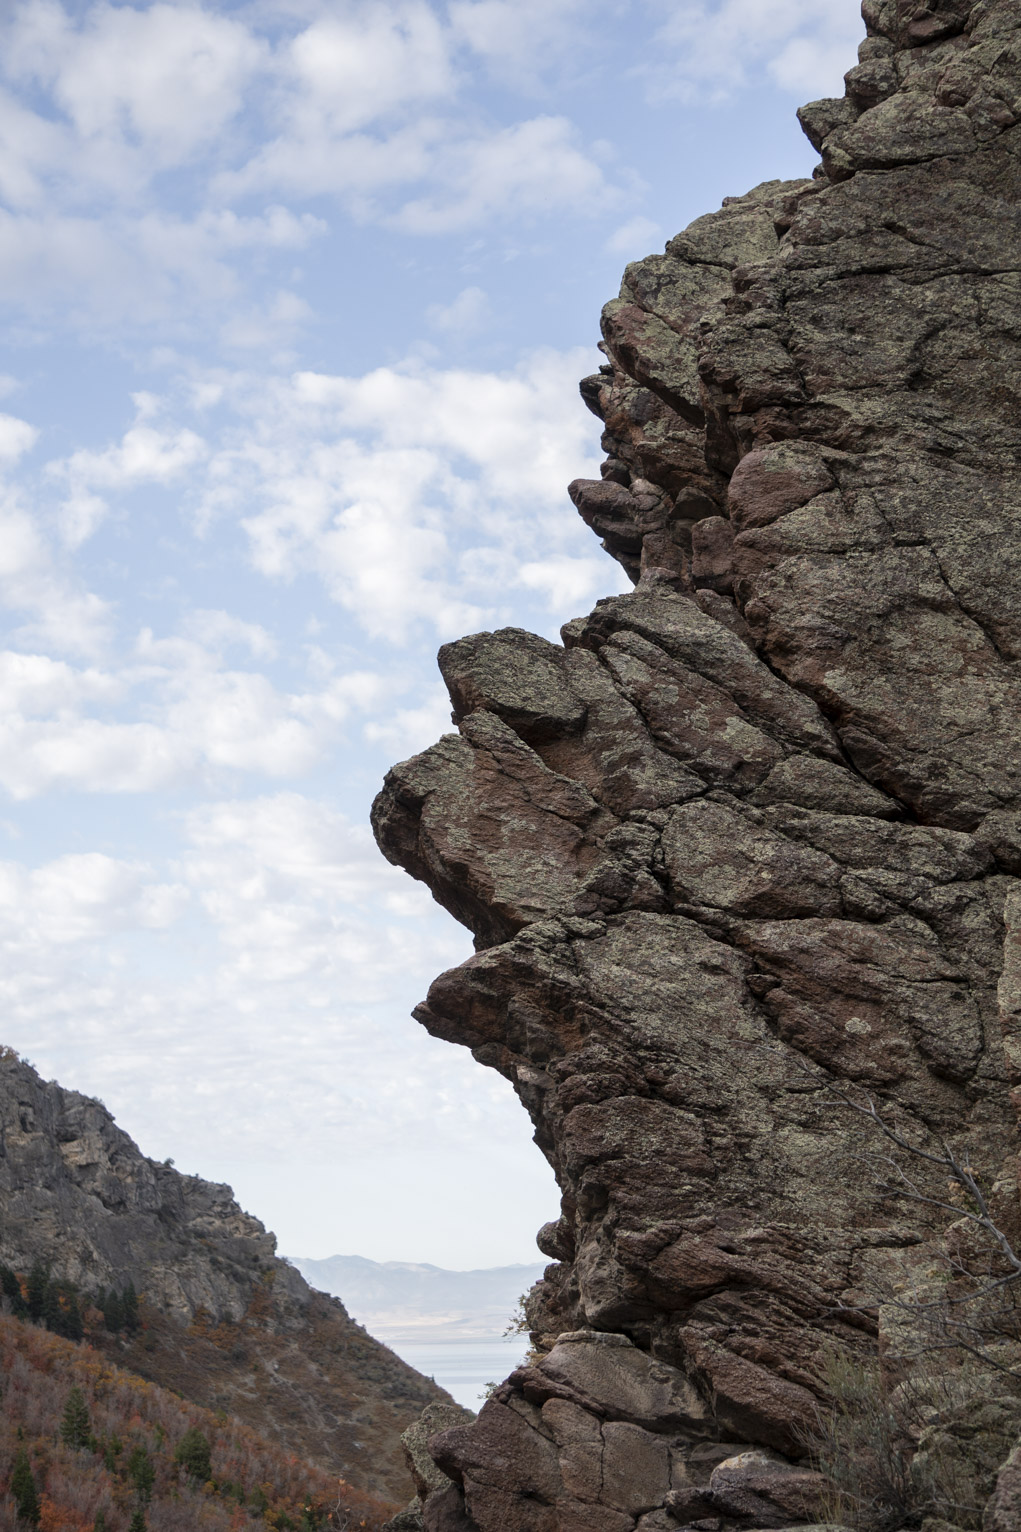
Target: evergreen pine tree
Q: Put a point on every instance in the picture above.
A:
(99, 1525)
(12, 1291)
(142, 1473)
(137, 1522)
(53, 1314)
(74, 1328)
(61, 1312)
(112, 1449)
(129, 1308)
(113, 1311)
(76, 1427)
(23, 1489)
(38, 1282)
(193, 1454)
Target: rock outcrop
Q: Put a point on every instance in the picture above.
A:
(743, 852)
(228, 1324)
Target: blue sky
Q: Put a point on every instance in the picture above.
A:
(296, 300)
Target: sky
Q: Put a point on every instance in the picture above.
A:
(296, 298)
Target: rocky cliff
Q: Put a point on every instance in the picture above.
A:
(741, 856)
(228, 1325)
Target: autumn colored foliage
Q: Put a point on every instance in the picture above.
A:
(102, 1448)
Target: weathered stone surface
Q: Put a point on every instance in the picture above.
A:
(621, 1382)
(750, 840)
(764, 1488)
(228, 1323)
(435, 1417)
(971, 1442)
(1003, 1512)
(408, 1520)
(445, 1512)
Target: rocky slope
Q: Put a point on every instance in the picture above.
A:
(228, 1325)
(742, 854)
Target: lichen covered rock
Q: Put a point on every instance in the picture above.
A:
(746, 847)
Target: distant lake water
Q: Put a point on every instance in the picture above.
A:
(463, 1367)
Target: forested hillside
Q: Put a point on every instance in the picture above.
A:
(86, 1446)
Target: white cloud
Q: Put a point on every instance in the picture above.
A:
(271, 971)
(520, 39)
(239, 720)
(521, 430)
(405, 731)
(231, 722)
(570, 584)
(413, 496)
(634, 238)
(178, 717)
(293, 953)
(136, 268)
(61, 615)
(469, 312)
(348, 71)
(38, 756)
(144, 455)
(128, 94)
(31, 149)
(35, 684)
(216, 630)
(272, 322)
(282, 849)
(534, 167)
(382, 485)
(144, 89)
(354, 167)
(16, 438)
(815, 66)
(473, 175)
(373, 100)
(371, 105)
(714, 47)
(82, 897)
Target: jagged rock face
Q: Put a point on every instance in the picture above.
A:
(77, 1191)
(752, 830)
(228, 1324)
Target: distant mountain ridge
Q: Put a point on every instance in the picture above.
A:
(412, 1300)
